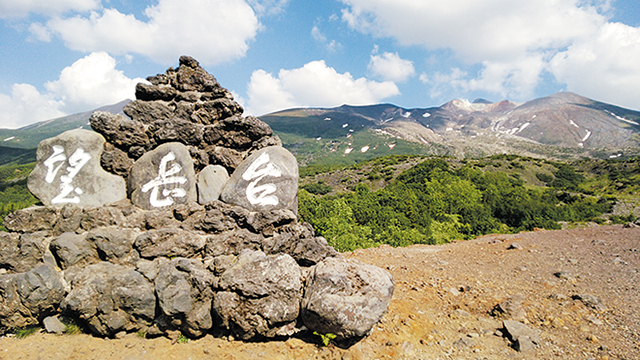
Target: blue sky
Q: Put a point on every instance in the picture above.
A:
(60, 57)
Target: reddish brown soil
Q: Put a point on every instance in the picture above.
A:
(429, 313)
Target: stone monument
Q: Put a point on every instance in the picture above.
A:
(181, 215)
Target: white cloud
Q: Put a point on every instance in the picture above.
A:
(321, 38)
(90, 82)
(21, 8)
(604, 68)
(512, 41)
(314, 84)
(476, 30)
(25, 105)
(389, 66)
(212, 31)
(268, 7)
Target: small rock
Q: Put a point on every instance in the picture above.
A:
(211, 181)
(590, 301)
(523, 344)
(517, 330)
(463, 342)
(53, 325)
(565, 275)
(515, 246)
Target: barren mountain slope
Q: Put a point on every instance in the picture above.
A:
(444, 294)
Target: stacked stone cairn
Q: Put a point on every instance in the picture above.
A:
(142, 229)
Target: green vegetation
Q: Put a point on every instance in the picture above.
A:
(182, 339)
(440, 200)
(13, 190)
(325, 338)
(28, 331)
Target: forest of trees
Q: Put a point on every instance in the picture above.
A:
(431, 203)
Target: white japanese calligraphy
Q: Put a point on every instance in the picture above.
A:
(77, 160)
(165, 177)
(261, 194)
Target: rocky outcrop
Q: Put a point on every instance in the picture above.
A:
(206, 237)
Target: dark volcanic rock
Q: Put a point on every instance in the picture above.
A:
(72, 249)
(111, 298)
(35, 218)
(169, 242)
(261, 295)
(184, 290)
(21, 253)
(29, 297)
(114, 244)
(345, 298)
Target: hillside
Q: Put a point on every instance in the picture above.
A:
(560, 126)
(28, 137)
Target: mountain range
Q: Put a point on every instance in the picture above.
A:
(560, 126)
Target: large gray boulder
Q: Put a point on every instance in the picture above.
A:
(26, 298)
(114, 244)
(162, 178)
(111, 298)
(299, 241)
(266, 180)
(68, 171)
(185, 294)
(260, 295)
(71, 249)
(169, 242)
(22, 252)
(345, 298)
(32, 219)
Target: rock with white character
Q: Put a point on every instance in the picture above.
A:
(68, 171)
(266, 180)
(162, 178)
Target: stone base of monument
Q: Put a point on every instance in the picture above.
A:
(182, 217)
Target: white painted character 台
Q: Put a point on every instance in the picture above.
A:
(76, 161)
(261, 194)
(165, 177)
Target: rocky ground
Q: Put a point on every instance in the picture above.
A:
(576, 292)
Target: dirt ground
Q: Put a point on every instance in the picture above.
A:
(443, 304)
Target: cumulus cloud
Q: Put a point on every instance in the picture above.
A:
(21, 8)
(213, 31)
(604, 68)
(513, 43)
(90, 82)
(25, 105)
(314, 84)
(390, 66)
(476, 30)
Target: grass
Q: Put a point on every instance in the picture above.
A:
(28, 331)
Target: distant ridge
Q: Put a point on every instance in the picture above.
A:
(28, 137)
(559, 126)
